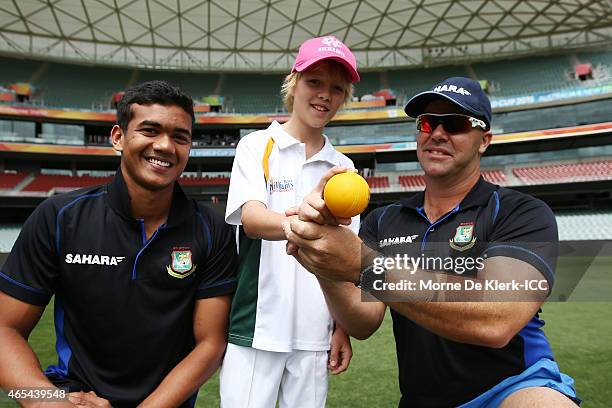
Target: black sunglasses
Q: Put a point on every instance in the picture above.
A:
(451, 122)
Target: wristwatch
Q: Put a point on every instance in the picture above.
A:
(373, 272)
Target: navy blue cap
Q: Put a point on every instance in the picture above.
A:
(464, 92)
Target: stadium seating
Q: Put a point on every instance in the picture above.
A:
(48, 182)
(64, 85)
(252, 93)
(10, 180)
(408, 82)
(17, 70)
(378, 182)
(495, 177)
(584, 225)
(526, 75)
(8, 236)
(197, 85)
(79, 86)
(565, 172)
(414, 182)
(205, 181)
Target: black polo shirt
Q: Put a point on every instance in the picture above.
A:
(491, 220)
(123, 303)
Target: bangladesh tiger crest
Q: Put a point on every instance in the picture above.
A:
(182, 265)
(464, 237)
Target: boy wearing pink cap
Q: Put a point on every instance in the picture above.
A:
(281, 330)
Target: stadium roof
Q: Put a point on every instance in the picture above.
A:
(263, 35)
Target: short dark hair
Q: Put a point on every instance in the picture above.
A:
(149, 93)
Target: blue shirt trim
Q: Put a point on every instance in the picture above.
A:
(538, 257)
(146, 244)
(225, 282)
(535, 343)
(431, 226)
(496, 194)
(24, 286)
(64, 352)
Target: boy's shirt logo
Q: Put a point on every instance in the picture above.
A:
(464, 237)
(182, 265)
(280, 185)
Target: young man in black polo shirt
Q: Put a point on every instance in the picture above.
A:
(455, 347)
(142, 275)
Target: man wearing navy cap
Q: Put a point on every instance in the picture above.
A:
(455, 347)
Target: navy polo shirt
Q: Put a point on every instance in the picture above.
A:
(123, 303)
(491, 220)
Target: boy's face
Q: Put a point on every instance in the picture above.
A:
(155, 147)
(318, 94)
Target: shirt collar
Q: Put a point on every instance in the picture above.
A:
(478, 196)
(283, 140)
(119, 198)
(280, 136)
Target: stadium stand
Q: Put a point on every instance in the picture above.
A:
(416, 182)
(64, 85)
(378, 182)
(370, 82)
(17, 70)
(495, 177)
(565, 172)
(526, 75)
(252, 93)
(408, 82)
(8, 236)
(584, 225)
(80, 86)
(204, 181)
(198, 85)
(48, 182)
(9, 181)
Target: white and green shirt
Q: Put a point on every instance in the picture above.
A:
(278, 305)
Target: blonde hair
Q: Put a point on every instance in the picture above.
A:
(337, 70)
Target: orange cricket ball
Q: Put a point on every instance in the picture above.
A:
(346, 194)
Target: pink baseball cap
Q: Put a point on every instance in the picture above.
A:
(328, 47)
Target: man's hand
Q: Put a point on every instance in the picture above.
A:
(313, 207)
(329, 252)
(341, 351)
(88, 399)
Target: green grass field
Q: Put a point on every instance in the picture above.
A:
(580, 333)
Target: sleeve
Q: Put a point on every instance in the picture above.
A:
(369, 229)
(526, 230)
(354, 225)
(31, 270)
(219, 272)
(247, 181)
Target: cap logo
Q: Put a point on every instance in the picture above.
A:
(332, 42)
(332, 45)
(451, 88)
